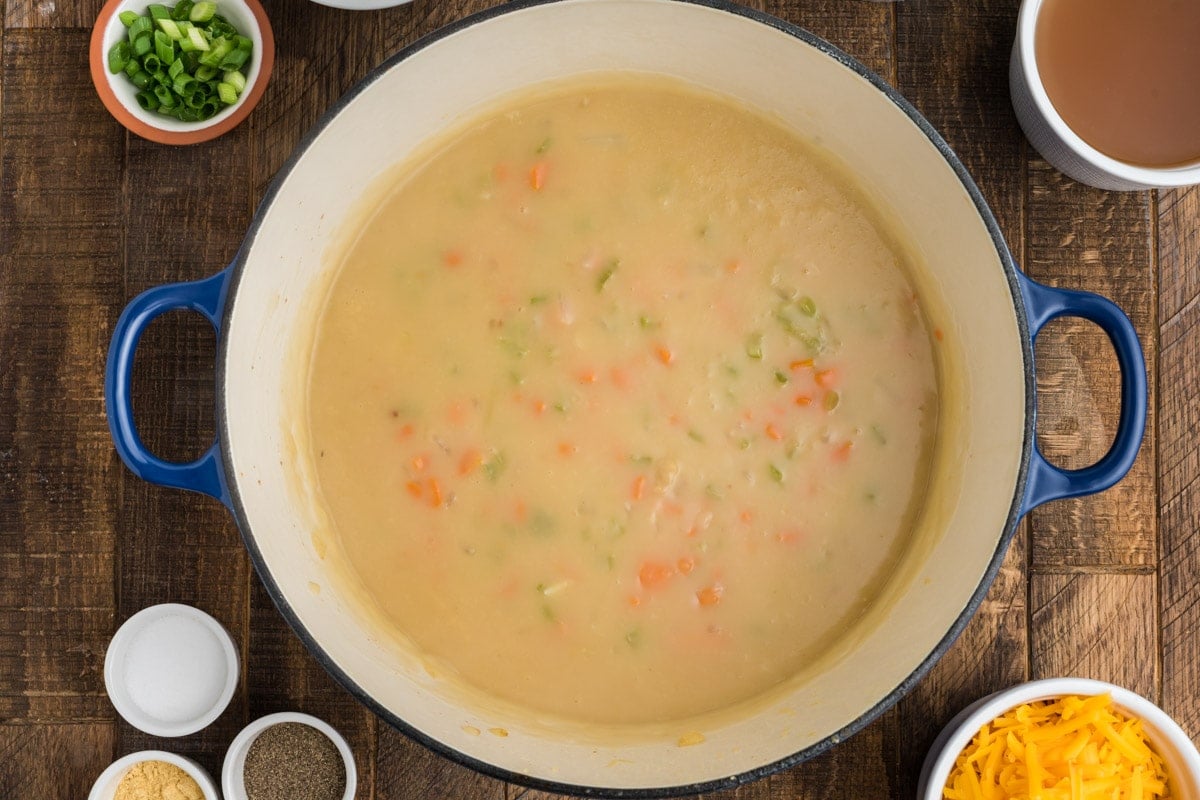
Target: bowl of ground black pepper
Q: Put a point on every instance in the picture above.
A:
(289, 756)
(154, 775)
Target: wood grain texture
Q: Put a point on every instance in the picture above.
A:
(52, 762)
(59, 236)
(177, 546)
(1084, 238)
(60, 14)
(1096, 625)
(1179, 453)
(89, 216)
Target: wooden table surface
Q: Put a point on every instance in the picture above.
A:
(1104, 587)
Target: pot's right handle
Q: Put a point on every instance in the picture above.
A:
(1047, 482)
(207, 297)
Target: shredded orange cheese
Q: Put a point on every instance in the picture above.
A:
(1072, 748)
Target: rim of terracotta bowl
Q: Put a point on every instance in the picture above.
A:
(180, 133)
(323, 657)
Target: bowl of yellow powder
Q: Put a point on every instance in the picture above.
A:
(154, 775)
(1062, 738)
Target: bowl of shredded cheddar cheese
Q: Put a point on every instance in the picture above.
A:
(1062, 739)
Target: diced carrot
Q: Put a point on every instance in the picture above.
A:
(435, 492)
(521, 511)
(664, 354)
(537, 176)
(691, 532)
(633, 600)
(566, 449)
(470, 461)
(685, 565)
(405, 431)
(787, 537)
(414, 488)
(452, 258)
(748, 415)
(539, 407)
(671, 508)
(773, 432)
(458, 413)
(654, 574)
(746, 516)
(733, 266)
(937, 334)
(803, 363)
(842, 451)
(710, 595)
(588, 376)
(803, 400)
(620, 378)
(419, 463)
(826, 378)
(638, 488)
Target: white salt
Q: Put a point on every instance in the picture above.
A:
(175, 669)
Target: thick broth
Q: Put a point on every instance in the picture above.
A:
(622, 403)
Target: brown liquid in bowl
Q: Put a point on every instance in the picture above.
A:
(1125, 75)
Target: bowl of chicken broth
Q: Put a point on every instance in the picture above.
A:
(643, 413)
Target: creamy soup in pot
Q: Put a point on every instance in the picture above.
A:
(622, 403)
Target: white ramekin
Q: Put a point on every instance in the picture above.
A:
(105, 787)
(232, 784)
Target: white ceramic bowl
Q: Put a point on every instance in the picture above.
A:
(105, 787)
(232, 784)
(119, 95)
(1053, 138)
(1169, 740)
(171, 670)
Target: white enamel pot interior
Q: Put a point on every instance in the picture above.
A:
(263, 306)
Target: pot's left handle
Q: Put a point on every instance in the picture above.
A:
(1047, 482)
(207, 297)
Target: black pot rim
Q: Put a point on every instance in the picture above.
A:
(1010, 525)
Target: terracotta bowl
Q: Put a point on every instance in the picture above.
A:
(118, 93)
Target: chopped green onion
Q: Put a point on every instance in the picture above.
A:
(186, 60)
(138, 27)
(235, 60)
(218, 49)
(832, 400)
(202, 11)
(147, 101)
(165, 98)
(170, 28)
(781, 377)
(118, 57)
(775, 472)
(164, 48)
(606, 274)
(184, 85)
(754, 347)
(143, 45)
(236, 79)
